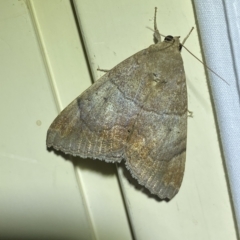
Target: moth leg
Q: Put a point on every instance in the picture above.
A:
(157, 36)
(102, 70)
(190, 114)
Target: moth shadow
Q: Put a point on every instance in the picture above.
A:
(106, 169)
(88, 164)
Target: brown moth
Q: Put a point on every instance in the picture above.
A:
(136, 112)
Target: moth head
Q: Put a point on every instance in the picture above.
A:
(171, 39)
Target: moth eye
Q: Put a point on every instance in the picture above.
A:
(168, 38)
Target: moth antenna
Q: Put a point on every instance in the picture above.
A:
(185, 39)
(157, 35)
(206, 66)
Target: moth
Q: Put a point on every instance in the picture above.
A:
(137, 113)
